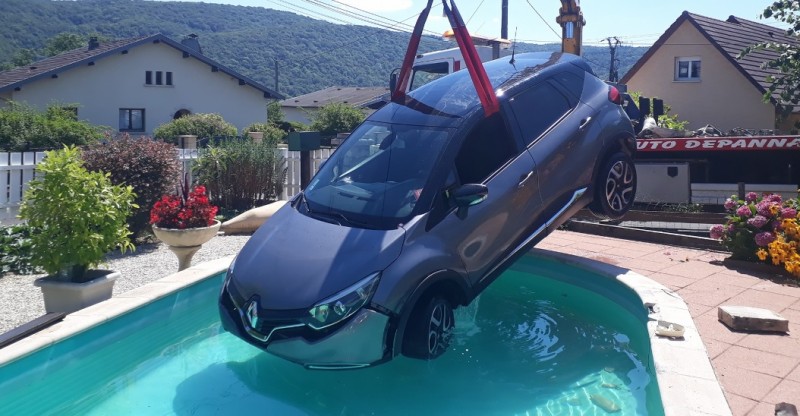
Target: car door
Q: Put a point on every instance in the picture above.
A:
(489, 230)
(553, 123)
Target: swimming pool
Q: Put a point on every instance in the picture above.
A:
(547, 338)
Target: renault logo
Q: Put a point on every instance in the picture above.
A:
(252, 313)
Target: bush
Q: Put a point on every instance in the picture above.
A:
(151, 167)
(336, 118)
(271, 132)
(242, 174)
(15, 250)
(22, 128)
(76, 216)
(204, 126)
(762, 227)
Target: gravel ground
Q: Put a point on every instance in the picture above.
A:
(21, 301)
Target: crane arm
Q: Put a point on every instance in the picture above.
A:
(570, 17)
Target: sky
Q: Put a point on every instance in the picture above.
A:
(635, 23)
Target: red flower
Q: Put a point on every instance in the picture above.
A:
(183, 211)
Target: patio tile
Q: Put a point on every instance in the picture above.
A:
(591, 247)
(759, 361)
(714, 347)
(745, 383)
(739, 280)
(762, 409)
(781, 289)
(772, 343)
(644, 265)
(710, 327)
(786, 391)
(761, 299)
(794, 375)
(739, 405)
(692, 268)
(709, 294)
(670, 280)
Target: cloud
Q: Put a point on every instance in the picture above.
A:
(380, 6)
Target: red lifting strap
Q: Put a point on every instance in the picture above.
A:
(474, 65)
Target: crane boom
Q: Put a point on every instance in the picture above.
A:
(571, 20)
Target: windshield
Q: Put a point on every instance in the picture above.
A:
(377, 175)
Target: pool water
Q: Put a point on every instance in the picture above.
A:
(531, 345)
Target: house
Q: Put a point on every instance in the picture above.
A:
(300, 108)
(694, 68)
(134, 85)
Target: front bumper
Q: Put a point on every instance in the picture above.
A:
(357, 342)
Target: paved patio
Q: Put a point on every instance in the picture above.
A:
(756, 370)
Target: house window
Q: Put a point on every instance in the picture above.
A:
(687, 69)
(131, 119)
(169, 78)
(148, 77)
(158, 78)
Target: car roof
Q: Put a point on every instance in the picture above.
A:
(447, 101)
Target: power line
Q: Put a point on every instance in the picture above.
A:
(476, 11)
(543, 19)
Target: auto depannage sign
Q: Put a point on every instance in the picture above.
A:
(706, 144)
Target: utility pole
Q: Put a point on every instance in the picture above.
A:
(613, 75)
(504, 21)
(276, 73)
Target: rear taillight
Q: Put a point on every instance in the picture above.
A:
(614, 96)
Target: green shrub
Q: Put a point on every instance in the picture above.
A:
(204, 126)
(271, 132)
(15, 250)
(151, 167)
(22, 127)
(336, 118)
(76, 216)
(241, 174)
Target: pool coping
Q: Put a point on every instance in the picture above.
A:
(686, 380)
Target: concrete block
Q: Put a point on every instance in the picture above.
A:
(745, 318)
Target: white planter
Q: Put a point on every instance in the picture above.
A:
(184, 243)
(61, 296)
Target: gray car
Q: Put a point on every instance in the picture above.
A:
(423, 206)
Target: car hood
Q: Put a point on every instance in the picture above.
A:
(293, 261)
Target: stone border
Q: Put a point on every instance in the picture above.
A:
(686, 380)
(94, 315)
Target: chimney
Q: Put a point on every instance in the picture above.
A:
(191, 42)
(93, 43)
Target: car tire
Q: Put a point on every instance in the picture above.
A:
(615, 189)
(429, 329)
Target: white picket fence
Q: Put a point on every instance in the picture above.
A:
(19, 168)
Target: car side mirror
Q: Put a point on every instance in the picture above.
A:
(468, 195)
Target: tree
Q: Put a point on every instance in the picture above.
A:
(63, 42)
(275, 113)
(787, 60)
(336, 118)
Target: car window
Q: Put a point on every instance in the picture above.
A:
(486, 148)
(537, 109)
(572, 83)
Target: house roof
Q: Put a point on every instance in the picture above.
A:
(730, 37)
(355, 96)
(52, 66)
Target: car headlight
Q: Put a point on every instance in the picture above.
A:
(343, 304)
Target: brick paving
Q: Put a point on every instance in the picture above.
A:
(756, 370)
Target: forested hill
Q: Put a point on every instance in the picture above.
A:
(311, 54)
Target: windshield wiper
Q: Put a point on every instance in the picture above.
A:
(333, 217)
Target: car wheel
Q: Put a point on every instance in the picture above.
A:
(615, 189)
(429, 329)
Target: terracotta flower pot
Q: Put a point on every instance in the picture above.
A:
(184, 243)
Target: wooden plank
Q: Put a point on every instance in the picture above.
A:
(30, 328)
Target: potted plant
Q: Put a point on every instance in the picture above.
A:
(75, 217)
(184, 221)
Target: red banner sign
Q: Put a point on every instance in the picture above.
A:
(706, 144)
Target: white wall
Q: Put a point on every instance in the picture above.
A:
(118, 81)
(296, 114)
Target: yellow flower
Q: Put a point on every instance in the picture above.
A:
(762, 254)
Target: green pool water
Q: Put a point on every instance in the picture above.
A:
(545, 339)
